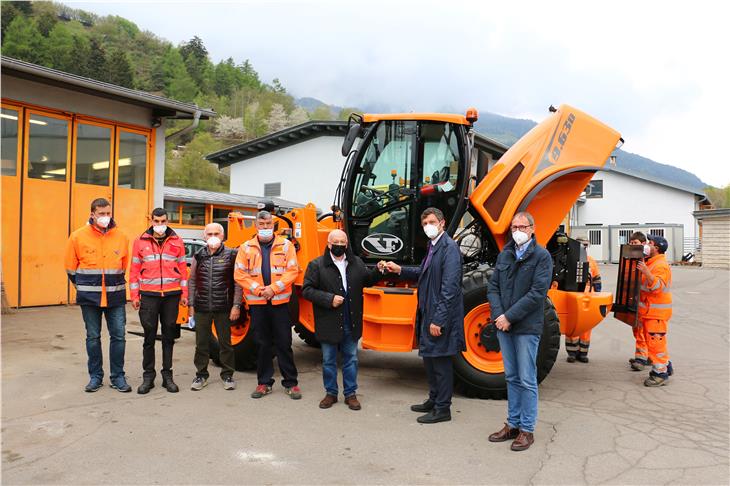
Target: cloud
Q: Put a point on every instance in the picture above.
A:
(652, 70)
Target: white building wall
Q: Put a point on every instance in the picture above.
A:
(308, 171)
(628, 199)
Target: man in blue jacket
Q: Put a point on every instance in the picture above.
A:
(517, 292)
(440, 315)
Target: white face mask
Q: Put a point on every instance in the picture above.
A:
(647, 250)
(266, 234)
(431, 230)
(520, 237)
(103, 221)
(213, 242)
(159, 228)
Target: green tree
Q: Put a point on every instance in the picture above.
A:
(172, 77)
(46, 15)
(23, 40)
(118, 69)
(719, 196)
(96, 60)
(190, 169)
(196, 60)
(225, 79)
(322, 112)
(345, 113)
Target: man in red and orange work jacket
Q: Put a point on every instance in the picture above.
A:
(158, 284)
(577, 346)
(655, 308)
(266, 267)
(96, 259)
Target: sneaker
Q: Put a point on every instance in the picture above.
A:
(229, 384)
(93, 385)
(654, 380)
(670, 369)
(198, 383)
(121, 385)
(294, 392)
(260, 391)
(570, 359)
(638, 365)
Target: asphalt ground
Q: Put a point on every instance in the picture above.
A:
(597, 425)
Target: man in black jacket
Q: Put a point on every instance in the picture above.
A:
(516, 293)
(334, 284)
(214, 297)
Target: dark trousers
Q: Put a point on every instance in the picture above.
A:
(272, 331)
(440, 374)
(164, 310)
(203, 325)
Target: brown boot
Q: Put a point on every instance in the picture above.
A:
(523, 441)
(328, 401)
(505, 434)
(352, 402)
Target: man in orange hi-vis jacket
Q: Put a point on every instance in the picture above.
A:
(96, 259)
(266, 267)
(655, 309)
(577, 346)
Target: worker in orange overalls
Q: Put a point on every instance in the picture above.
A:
(641, 352)
(266, 268)
(577, 346)
(655, 308)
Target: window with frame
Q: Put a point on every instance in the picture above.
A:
(9, 145)
(132, 160)
(93, 146)
(47, 148)
(173, 211)
(594, 189)
(193, 214)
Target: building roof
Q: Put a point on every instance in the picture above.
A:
(620, 170)
(712, 213)
(307, 131)
(210, 197)
(161, 106)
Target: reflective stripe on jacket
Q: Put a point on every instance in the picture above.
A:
(284, 270)
(156, 269)
(655, 299)
(95, 263)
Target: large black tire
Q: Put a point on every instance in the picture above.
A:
(476, 383)
(244, 351)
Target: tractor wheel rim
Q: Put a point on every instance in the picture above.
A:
(476, 353)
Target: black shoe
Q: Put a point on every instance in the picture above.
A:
(582, 358)
(571, 359)
(169, 385)
(435, 416)
(424, 407)
(146, 386)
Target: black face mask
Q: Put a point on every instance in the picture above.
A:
(338, 250)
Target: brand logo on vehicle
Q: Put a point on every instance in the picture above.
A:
(382, 244)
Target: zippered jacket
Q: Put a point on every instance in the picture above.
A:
(158, 269)
(95, 263)
(284, 270)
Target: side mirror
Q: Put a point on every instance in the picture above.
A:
(352, 133)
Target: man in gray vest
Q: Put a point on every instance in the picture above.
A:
(214, 297)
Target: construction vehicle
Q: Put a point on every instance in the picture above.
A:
(405, 163)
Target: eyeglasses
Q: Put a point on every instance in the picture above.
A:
(521, 228)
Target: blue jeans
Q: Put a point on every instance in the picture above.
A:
(116, 319)
(519, 353)
(348, 348)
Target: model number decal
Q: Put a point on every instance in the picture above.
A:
(562, 138)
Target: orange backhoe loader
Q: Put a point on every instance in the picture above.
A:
(405, 163)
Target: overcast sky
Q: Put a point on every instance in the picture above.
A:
(655, 71)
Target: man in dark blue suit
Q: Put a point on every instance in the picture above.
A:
(440, 315)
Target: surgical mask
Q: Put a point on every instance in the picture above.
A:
(103, 221)
(431, 230)
(159, 228)
(266, 234)
(338, 250)
(213, 242)
(520, 237)
(647, 250)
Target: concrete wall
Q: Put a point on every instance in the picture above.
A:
(716, 242)
(628, 199)
(308, 171)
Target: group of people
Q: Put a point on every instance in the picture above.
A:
(262, 272)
